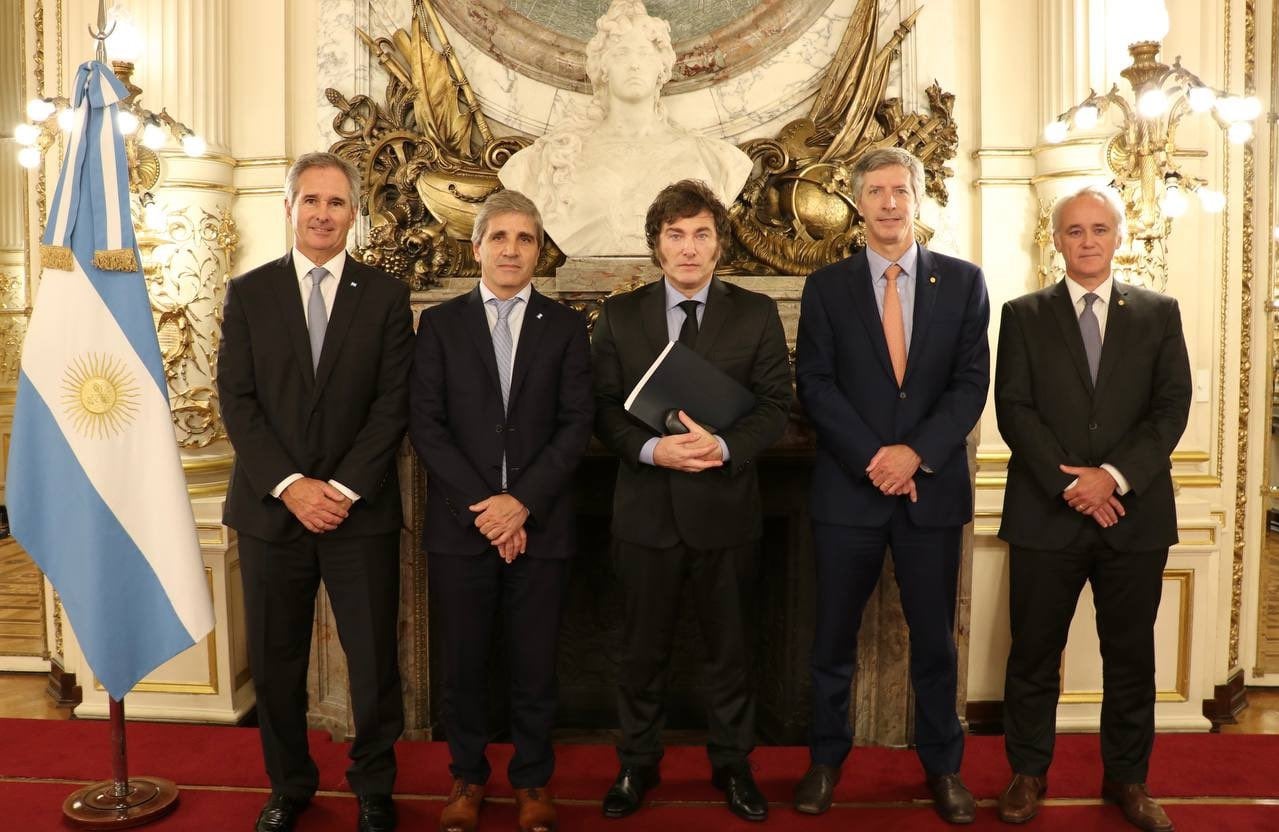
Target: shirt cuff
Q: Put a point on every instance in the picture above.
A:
(1121, 485)
(646, 452)
(284, 483)
(346, 492)
(723, 447)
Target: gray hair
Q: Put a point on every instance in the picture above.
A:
(506, 202)
(887, 157)
(321, 159)
(1106, 195)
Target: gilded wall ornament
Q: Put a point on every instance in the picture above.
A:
(428, 158)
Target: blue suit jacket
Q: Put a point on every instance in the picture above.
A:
(847, 387)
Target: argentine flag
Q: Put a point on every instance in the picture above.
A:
(95, 486)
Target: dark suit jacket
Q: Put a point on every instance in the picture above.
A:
(742, 335)
(460, 431)
(344, 421)
(1050, 414)
(848, 389)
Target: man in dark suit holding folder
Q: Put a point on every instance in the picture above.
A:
(688, 505)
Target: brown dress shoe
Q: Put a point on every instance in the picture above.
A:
(1020, 800)
(462, 811)
(537, 812)
(1139, 807)
(952, 799)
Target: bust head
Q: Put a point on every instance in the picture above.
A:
(630, 57)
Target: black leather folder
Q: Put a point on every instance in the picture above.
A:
(680, 379)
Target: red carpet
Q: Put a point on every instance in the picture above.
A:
(222, 770)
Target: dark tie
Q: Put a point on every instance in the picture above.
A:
(317, 317)
(688, 332)
(1090, 329)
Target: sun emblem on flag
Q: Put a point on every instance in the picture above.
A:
(100, 395)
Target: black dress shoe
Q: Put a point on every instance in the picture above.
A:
(627, 791)
(740, 792)
(816, 789)
(279, 814)
(952, 799)
(377, 813)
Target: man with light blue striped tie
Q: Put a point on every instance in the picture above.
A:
(500, 415)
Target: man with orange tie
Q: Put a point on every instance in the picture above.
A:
(892, 367)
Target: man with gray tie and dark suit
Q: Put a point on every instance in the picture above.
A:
(1092, 393)
(500, 415)
(313, 384)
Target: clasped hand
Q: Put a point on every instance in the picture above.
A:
(1093, 494)
(501, 518)
(892, 470)
(690, 452)
(318, 506)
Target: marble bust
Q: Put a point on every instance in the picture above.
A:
(594, 175)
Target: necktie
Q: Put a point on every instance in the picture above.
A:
(688, 332)
(503, 348)
(894, 326)
(1090, 329)
(317, 317)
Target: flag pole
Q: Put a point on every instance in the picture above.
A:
(120, 802)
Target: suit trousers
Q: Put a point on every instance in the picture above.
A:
(926, 564)
(1044, 589)
(362, 578)
(724, 588)
(471, 591)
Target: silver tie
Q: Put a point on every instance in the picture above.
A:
(503, 349)
(317, 317)
(1090, 329)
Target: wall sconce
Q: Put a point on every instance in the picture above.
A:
(1142, 154)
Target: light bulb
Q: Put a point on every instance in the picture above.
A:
(67, 120)
(1152, 103)
(1086, 117)
(29, 157)
(1174, 202)
(26, 134)
(194, 145)
(38, 109)
(1056, 131)
(1213, 202)
(127, 122)
(1143, 20)
(1239, 132)
(153, 136)
(125, 41)
(1249, 108)
(153, 217)
(1201, 99)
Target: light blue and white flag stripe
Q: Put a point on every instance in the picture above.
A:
(95, 487)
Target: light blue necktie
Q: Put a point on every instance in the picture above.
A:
(317, 317)
(503, 349)
(1090, 329)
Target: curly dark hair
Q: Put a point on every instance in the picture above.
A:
(682, 199)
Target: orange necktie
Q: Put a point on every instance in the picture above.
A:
(894, 327)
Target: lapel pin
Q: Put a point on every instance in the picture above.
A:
(353, 284)
(539, 316)
(1121, 301)
(932, 278)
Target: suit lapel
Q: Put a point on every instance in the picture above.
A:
(862, 299)
(927, 284)
(476, 323)
(284, 285)
(1115, 342)
(345, 305)
(1064, 311)
(653, 314)
(719, 309)
(531, 331)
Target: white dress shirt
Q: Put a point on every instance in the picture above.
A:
(1100, 308)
